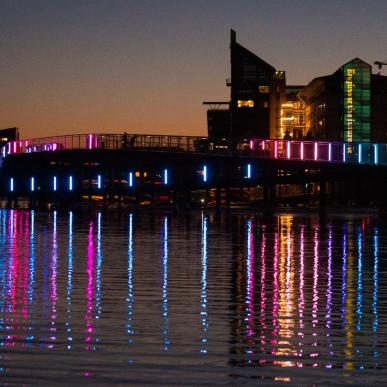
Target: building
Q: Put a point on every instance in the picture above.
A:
(292, 114)
(349, 105)
(257, 92)
(9, 134)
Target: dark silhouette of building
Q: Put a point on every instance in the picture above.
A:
(9, 134)
(349, 105)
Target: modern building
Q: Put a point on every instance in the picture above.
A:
(292, 114)
(9, 134)
(349, 105)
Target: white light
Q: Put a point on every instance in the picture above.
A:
(205, 173)
(329, 152)
(11, 184)
(32, 184)
(248, 171)
(344, 153)
(54, 184)
(359, 155)
(165, 176)
(99, 182)
(376, 155)
(130, 179)
(70, 183)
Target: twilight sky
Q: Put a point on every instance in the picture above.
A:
(146, 66)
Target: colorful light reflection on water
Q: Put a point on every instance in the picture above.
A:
(234, 299)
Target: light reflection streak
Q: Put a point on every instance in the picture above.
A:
(250, 286)
(165, 311)
(31, 274)
(69, 281)
(375, 322)
(263, 294)
(359, 302)
(301, 307)
(315, 298)
(349, 316)
(98, 304)
(274, 341)
(203, 294)
(328, 315)
(89, 290)
(129, 325)
(53, 285)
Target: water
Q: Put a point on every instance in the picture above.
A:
(196, 299)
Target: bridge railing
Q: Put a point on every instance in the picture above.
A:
(334, 152)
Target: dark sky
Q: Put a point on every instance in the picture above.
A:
(146, 66)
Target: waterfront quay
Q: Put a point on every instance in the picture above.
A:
(183, 171)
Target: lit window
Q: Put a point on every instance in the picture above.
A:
(245, 103)
(264, 89)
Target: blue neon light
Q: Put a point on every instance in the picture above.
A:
(70, 183)
(54, 184)
(130, 179)
(165, 176)
(344, 153)
(249, 171)
(376, 154)
(11, 184)
(99, 182)
(205, 173)
(32, 184)
(359, 155)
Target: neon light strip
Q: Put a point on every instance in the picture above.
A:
(205, 173)
(275, 149)
(130, 179)
(251, 144)
(302, 151)
(99, 183)
(54, 184)
(376, 154)
(32, 184)
(359, 155)
(165, 176)
(70, 183)
(11, 184)
(344, 153)
(249, 171)
(329, 152)
(288, 150)
(263, 145)
(315, 151)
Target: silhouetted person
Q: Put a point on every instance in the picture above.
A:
(287, 135)
(133, 140)
(124, 141)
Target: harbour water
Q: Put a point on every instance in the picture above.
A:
(192, 299)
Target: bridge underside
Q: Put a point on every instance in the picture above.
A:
(69, 178)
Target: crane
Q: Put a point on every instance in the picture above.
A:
(380, 64)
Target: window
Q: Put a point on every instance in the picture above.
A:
(264, 89)
(245, 103)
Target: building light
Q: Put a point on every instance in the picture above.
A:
(54, 183)
(245, 103)
(359, 155)
(249, 171)
(165, 176)
(11, 184)
(329, 152)
(32, 184)
(130, 179)
(70, 183)
(376, 154)
(99, 182)
(205, 173)
(264, 89)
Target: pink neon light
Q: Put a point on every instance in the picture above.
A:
(289, 150)
(54, 147)
(315, 151)
(275, 149)
(302, 151)
(251, 144)
(90, 141)
(14, 147)
(263, 145)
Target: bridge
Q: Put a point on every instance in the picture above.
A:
(116, 169)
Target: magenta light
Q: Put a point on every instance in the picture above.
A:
(251, 144)
(90, 141)
(302, 150)
(54, 147)
(14, 147)
(289, 150)
(275, 149)
(315, 150)
(329, 152)
(263, 145)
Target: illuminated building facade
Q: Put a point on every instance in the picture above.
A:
(349, 105)
(292, 114)
(6, 135)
